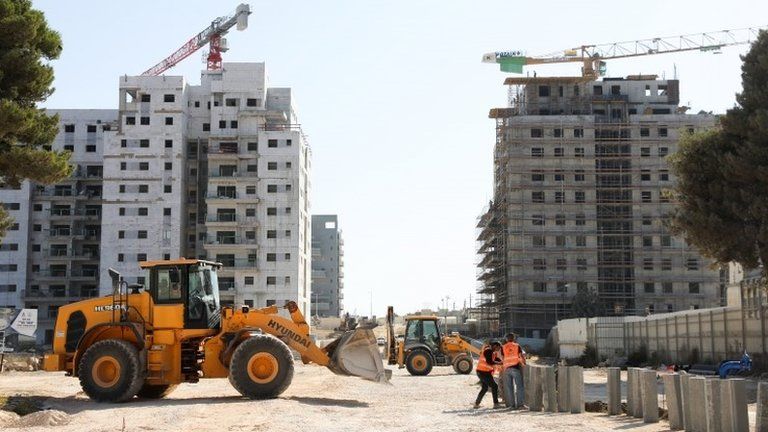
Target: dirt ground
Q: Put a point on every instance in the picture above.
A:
(317, 400)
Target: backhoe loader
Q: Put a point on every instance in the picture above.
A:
(147, 341)
(423, 346)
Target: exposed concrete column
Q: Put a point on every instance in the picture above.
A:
(673, 393)
(698, 411)
(563, 401)
(713, 404)
(614, 391)
(649, 391)
(535, 378)
(739, 416)
(762, 407)
(576, 389)
(549, 385)
(686, 400)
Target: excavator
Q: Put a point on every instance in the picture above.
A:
(423, 346)
(144, 342)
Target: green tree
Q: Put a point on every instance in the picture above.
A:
(722, 175)
(586, 304)
(26, 132)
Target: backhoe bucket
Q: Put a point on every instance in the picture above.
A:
(356, 353)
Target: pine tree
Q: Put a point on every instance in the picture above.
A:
(26, 132)
(722, 175)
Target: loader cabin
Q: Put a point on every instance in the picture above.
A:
(190, 284)
(423, 329)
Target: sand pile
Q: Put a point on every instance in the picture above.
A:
(41, 418)
(7, 418)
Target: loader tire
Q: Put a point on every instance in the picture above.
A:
(149, 391)
(462, 364)
(418, 362)
(110, 371)
(261, 367)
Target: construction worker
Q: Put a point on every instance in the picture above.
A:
(514, 360)
(498, 368)
(484, 371)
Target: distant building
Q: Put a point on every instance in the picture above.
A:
(327, 266)
(579, 204)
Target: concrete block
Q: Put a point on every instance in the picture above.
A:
(563, 401)
(673, 393)
(649, 392)
(698, 410)
(576, 389)
(713, 404)
(686, 400)
(549, 384)
(630, 392)
(636, 393)
(614, 391)
(528, 389)
(726, 413)
(761, 424)
(536, 393)
(739, 420)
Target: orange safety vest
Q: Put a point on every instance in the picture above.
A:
(512, 355)
(482, 364)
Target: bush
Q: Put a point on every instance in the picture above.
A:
(639, 357)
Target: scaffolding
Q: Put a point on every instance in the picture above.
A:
(580, 203)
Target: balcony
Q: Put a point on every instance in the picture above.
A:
(230, 241)
(222, 218)
(239, 264)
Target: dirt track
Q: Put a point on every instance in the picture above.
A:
(316, 401)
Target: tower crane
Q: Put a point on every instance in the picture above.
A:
(593, 56)
(211, 35)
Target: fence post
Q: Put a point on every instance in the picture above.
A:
(725, 333)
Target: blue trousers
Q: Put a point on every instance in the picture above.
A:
(513, 387)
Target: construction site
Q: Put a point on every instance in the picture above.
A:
(179, 275)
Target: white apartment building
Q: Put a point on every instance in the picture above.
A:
(144, 177)
(218, 171)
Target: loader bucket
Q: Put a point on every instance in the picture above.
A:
(355, 353)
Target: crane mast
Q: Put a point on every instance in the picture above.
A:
(211, 35)
(593, 56)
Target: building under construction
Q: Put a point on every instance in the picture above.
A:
(577, 222)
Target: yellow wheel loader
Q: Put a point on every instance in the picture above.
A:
(423, 347)
(146, 341)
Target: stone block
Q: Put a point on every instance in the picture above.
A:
(713, 404)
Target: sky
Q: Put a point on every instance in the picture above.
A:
(395, 101)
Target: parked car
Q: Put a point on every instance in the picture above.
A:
(381, 341)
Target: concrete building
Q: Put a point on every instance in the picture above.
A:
(327, 266)
(52, 253)
(218, 171)
(579, 204)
